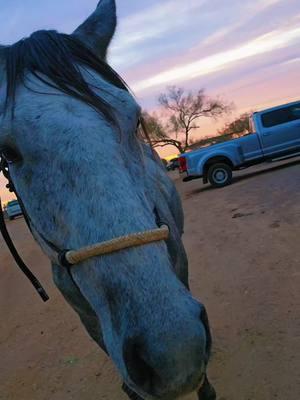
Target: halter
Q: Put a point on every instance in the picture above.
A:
(68, 258)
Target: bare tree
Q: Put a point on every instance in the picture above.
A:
(184, 109)
(158, 133)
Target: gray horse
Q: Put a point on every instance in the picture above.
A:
(85, 176)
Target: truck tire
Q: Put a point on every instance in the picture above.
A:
(219, 175)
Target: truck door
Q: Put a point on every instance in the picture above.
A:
(280, 130)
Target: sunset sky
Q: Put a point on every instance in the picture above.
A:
(243, 51)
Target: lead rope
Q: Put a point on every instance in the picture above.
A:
(20, 263)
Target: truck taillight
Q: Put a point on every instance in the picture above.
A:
(182, 164)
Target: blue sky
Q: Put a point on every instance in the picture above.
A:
(229, 47)
(243, 51)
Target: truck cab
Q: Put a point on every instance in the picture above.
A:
(279, 129)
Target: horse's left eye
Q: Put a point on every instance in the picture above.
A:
(10, 155)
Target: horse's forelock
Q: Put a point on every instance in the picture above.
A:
(58, 57)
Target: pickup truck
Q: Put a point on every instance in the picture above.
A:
(275, 135)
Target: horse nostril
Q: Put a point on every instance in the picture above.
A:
(141, 373)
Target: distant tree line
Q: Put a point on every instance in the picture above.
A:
(235, 129)
(240, 126)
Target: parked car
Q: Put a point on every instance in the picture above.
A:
(173, 164)
(276, 135)
(13, 209)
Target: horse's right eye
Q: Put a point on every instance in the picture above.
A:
(10, 155)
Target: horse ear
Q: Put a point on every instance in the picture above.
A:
(97, 31)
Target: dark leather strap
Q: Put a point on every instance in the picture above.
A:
(20, 263)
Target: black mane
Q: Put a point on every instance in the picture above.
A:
(58, 57)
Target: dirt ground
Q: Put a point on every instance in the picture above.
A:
(244, 252)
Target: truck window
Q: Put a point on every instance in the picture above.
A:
(12, 203)
(281, 116)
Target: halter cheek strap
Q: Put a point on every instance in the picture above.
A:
(41, 291)
(20, 263)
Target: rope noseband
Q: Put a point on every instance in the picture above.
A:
(72, 257)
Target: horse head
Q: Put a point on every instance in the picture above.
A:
(84, 177)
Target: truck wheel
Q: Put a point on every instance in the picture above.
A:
(219, 175)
